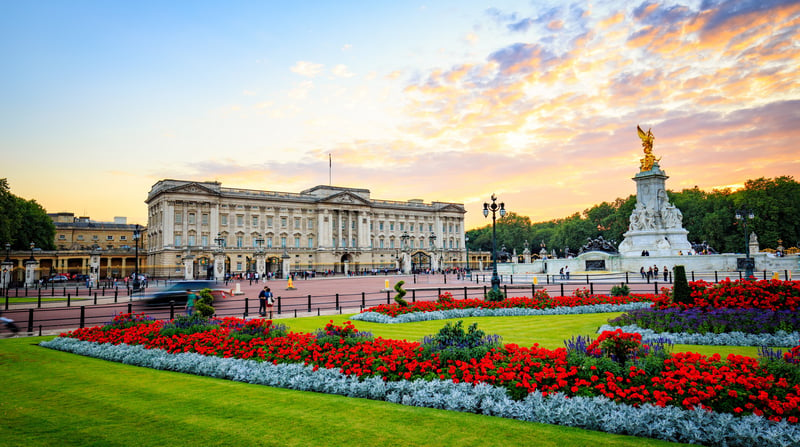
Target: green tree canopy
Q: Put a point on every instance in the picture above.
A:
(24, 221)
(708, 216)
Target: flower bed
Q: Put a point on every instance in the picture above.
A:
(738, 385)
(541, 304)
(742, 313)
(592, 413)
(714, 320)
(772, 294)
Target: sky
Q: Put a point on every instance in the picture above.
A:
(452, 101)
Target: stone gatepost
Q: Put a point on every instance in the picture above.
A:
(5, 276)
(346, 267)
(94, 268)
(219, 266)
(188, 266)
(261, 265)
(30, 272)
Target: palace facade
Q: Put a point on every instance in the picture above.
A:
(325, 228)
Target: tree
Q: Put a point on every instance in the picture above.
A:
(24, 221)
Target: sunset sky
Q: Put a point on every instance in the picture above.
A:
(535, 101)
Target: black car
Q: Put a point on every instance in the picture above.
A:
(177, 292)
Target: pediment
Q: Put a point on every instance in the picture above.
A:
(345, 198)
(453, 208)
(192, 188)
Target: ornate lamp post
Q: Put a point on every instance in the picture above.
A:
(494, 208)
(466, 245)
(137, 233)
(432, 240)
(743, 214)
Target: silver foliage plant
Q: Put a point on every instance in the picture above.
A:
(779, 338)
(596, 413)
(374, 317)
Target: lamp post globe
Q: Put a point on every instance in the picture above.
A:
(495, 209)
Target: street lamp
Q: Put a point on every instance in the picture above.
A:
(404, 240)
(219, 241)
(432, 240)
(466, 245)
(136, 235)
(33, 245)
(8, 251)
(494, 208)
(743, 215)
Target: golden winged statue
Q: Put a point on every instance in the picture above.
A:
(647, 144)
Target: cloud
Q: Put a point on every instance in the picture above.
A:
(307, 69)
(300, 91)
(342, 71)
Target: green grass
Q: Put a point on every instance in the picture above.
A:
(52, 398)
(549, 331)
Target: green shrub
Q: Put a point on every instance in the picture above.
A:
(620, 290)
(203, 305)
(400, 294)
(188, 324)
(495, 295)
(453, 343)
(680, 289)
(347, 334)
(258, 328)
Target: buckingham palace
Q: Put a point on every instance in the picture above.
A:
(206, 230)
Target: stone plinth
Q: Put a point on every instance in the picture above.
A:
(656, 226)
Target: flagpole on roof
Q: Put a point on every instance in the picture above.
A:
(330, 166)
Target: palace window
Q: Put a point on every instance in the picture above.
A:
(178, 217)
(191, 219)
(204, 218)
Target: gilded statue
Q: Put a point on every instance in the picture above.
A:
(647, 144)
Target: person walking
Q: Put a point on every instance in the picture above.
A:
(270, 301)
(262, 301)
(191, 297)
(666, 274)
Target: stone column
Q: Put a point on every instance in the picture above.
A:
(219, 266)
(287, 266)
(94, 268)
(5, 276)
(30, 272)
(188, 266)
(261, 264)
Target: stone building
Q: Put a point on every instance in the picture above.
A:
(209, 230)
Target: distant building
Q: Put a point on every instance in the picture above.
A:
(325, 228)
(81, 233)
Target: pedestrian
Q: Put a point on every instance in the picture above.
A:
(9, 324)
(666, 274)
(566, 271)
(190, 299)
(270, 302)
(262, 301)
(641, 271)
(561, 273)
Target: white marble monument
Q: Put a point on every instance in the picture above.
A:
(656, 226)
